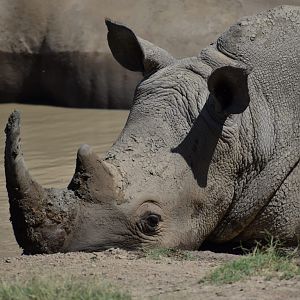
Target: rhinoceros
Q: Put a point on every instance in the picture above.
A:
(210, 151)
(54, 52)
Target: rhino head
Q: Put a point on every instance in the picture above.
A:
(168, 179)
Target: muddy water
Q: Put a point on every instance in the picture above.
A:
(51, 137)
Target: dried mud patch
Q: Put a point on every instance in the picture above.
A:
(143, 277)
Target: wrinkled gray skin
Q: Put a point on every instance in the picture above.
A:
(210, 151)
(55, 51)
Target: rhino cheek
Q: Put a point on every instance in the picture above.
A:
(100, 227)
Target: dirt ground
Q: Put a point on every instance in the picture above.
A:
(147, 278)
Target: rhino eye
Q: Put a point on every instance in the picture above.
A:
(150, 222)
(153, 220)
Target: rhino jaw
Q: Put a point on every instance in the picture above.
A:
(42, 219)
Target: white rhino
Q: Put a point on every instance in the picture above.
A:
(210, 151)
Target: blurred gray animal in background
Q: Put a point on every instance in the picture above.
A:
(55, 52)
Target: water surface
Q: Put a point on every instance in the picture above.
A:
(50, 139)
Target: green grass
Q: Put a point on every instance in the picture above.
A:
(59, 289)
(159, 253)
(268, 262)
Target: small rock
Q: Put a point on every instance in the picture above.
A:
(8, 260)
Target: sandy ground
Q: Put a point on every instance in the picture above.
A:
(146, 278)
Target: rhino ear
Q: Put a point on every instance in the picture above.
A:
(229, 87)
(134, 53)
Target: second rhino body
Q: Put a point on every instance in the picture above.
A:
(210, 151)
(55, 52)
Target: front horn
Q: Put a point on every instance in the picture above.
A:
(42, 219)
